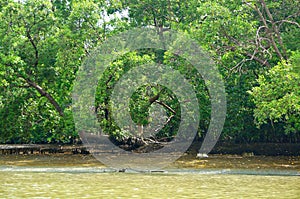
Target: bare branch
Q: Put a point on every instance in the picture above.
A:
(275, 28)
(252, 57)
(287, 21)
(166, 106)
(165, 123)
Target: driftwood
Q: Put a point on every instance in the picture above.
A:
(141, 145)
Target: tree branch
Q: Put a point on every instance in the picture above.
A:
(268, 32)
(153, 99)
(45, 94)
(34, 47)
(166, 106)
(275, 28)
(253, 57)
(288, 21)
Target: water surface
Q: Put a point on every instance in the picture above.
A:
(74, 176)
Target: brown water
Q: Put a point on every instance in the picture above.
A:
(75, 176)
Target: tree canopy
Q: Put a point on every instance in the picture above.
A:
(255, 44)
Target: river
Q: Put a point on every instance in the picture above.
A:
(78, 176)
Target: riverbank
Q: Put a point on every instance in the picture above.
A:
(267, 149)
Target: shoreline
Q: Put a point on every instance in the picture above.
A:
(186, 161)
(267, 149)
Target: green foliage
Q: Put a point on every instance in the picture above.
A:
(254, 43)
(41, 47)
(140, 101)
(105, 87)
(277, 98)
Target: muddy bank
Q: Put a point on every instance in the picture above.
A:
(186, 161)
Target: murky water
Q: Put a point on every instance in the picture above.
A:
(68, 176)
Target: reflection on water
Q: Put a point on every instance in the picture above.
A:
(67, 176)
